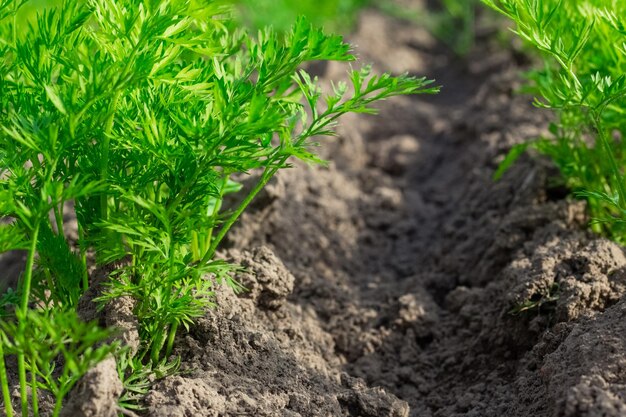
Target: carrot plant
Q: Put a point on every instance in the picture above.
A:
(135, 116)
(584, 82)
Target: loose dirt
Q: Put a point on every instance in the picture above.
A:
(401, 280)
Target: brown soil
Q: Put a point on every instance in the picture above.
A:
(402, 280)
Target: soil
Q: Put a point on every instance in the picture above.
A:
(402, 280)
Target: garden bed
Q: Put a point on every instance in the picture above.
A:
(400, 265)
(402, 280)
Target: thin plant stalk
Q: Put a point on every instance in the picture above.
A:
(4, 383)
(28, 273)
(170, 339)
(58, 403)
(216, 210)
(157, 345)
(106, 144)
(267, 175)
(173, 326)
(58, 215)
(83, 256)
(25, 296)
(34, 393)
(618, 177)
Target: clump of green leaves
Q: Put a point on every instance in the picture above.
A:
(136, 115)
(58, 348)
(584, 81)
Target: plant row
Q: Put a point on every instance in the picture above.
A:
(133, 117)
(583, 45)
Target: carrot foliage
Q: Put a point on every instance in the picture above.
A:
(584, 82)
(134, 117)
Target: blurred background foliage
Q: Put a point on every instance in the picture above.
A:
(334, 15)
(451, 21)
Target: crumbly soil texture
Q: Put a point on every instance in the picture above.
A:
(402, 280)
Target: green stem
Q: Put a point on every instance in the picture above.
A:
(195, 250)
(83, 256)
(621, 190)
(265, 178)
(58, 214)
(26, 284)
(28, 273)
(157, 345)
(33, 388)
(216, 210)
(170, 339)
(21, 370)
(159, 338)
(4, 383)
(106, 144)
(57, 405)
(167, 300)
